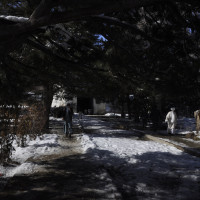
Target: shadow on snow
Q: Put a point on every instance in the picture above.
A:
(154, 175)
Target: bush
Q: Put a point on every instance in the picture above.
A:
(18, 123)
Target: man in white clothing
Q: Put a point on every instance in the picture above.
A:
(171, 120)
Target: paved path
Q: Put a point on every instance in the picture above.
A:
(187, 143)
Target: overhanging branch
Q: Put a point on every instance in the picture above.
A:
(113, 20)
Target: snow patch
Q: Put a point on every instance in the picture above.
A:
(86, 143)
(25, 168)
(112, 114)
(46, 144)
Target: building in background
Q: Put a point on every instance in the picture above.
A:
(88, 106)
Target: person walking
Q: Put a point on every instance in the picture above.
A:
(171, 120)
(68, 114)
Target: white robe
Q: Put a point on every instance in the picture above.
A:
(171, 119)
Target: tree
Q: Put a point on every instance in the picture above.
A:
(52, 12)
(147, 25)
(59, 43)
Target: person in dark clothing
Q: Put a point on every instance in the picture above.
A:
(67, 116)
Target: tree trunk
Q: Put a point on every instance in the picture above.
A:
(47, 100)
(122, 107)
(128, 106)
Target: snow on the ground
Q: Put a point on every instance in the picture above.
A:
(55, 119)
(112, 140)
(186, 124)
(124, 148)
(113, 114)
(146, 167)
(46, 144)
(24, 168)
(43, 145)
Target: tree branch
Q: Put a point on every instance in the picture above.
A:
(50, 53)
(44, 76)
(67, 63)
(75, 10)
(42, 9)
(126, 25)
(101, 6)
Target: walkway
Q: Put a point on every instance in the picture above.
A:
(117, 164)
(71, 175)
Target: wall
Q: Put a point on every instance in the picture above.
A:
(100, 108)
